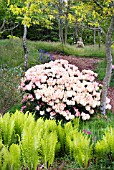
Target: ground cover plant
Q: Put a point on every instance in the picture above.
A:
(29, 144)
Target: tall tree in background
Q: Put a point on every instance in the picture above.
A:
(7, 20)
(31, 12)
(103, 12)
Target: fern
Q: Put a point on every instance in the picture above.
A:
(20, 120)
(5, 159)
(78, 145)
(48, 147)
(50, 125)
(30, 144)
(105, 146)
(60, 148)
(15, 156)
(7, 129)
(82, 149)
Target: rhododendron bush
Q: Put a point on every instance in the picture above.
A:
(59, 90)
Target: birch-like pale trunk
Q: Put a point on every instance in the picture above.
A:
(76, 31)
(66, 20)
(99, 35)
(25, 48)
(60, 22)
(94, 36)
(107, 78)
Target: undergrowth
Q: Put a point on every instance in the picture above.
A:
(29, 144)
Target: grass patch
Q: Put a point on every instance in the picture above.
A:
(12, 54)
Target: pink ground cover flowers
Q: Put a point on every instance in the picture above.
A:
(59, 90)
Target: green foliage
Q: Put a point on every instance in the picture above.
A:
(29, 146)
(11, 159)
(78, 145)
(82, 149)
(9, 81)
(20, 121)
(105, 147)
(5, 159)
(48, 144)
(48, 147)
(27, 143)
(7, 129)
(60, 147)
(101, 70)
(15, 156)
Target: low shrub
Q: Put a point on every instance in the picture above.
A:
(59, 90)
(9, 92)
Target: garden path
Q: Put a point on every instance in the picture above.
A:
(86, 63)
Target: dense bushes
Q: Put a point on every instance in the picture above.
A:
(26, 143)
(59, 90)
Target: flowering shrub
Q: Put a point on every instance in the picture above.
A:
(59, 90)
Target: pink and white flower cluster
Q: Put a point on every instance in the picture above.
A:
(59, 90)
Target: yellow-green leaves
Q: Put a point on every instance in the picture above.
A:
(32, 12)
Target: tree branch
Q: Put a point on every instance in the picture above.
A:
(111, 4)
(112, 43)
(3, 24)
(96, 2)
(10, 29)
(95, 28)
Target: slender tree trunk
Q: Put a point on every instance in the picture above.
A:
(66, 30)
(76, 31)
(99, 35)
(66, 20)
(25, 48)
(60, 22)
(107, 78)
(94, 36)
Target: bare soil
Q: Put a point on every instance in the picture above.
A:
(86, 63)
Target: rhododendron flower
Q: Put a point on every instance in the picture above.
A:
(108, 106)
(42, 112)
(37, 108)
(59, 90)
(22, 108)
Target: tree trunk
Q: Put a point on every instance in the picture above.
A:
(107, 78)
(94, 36)
(66, 20)
(66, 29)
(76, 31)
(60, 22)
(99, 35)
(25, 48)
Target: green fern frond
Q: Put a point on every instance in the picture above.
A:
(7, 129)
(5, 159)
(82, 149)
(48, 147)
(20, 120)
(61, 139)
(30, 144)
(105, 146)
(15, 156)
